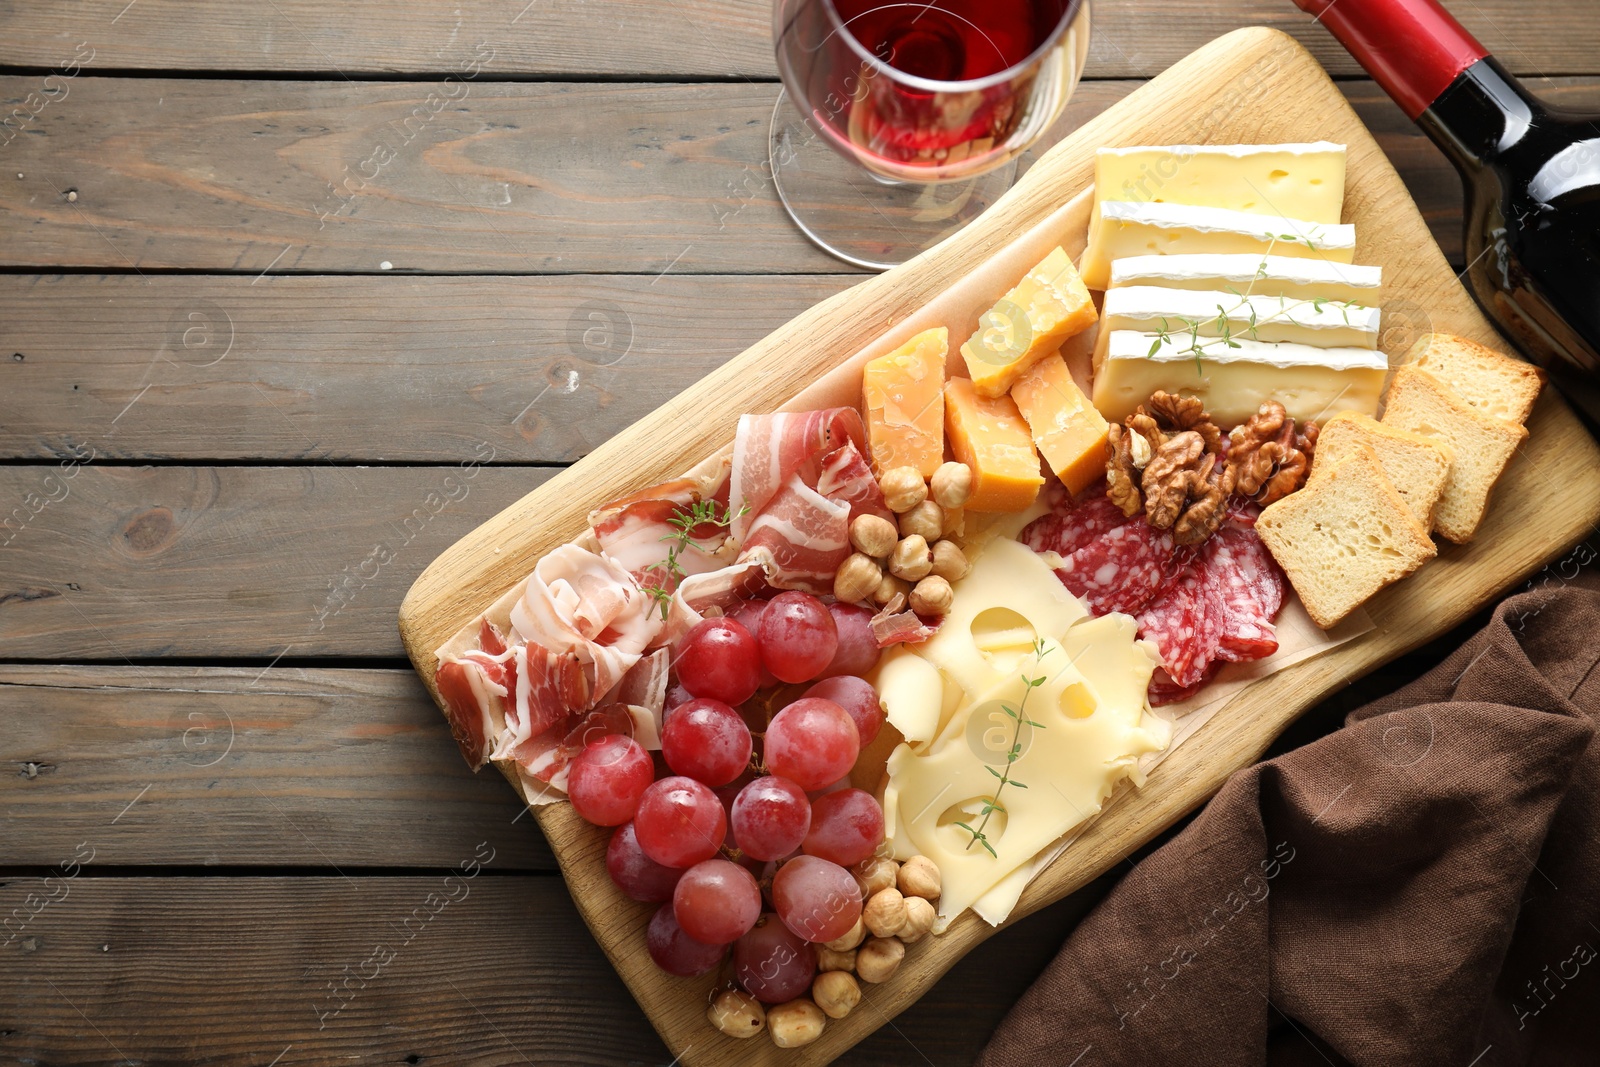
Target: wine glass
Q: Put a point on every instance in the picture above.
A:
(900, 122)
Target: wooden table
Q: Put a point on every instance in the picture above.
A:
(294, 294)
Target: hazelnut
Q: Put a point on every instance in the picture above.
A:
(903, 489)
(799, 1022)
(889, 588)
(857, 579)
(885, 912)
(919, 920)
(911, 559)
(737, 1014)
(873, 535)
(926, 520)
(932, 596)
(856, 935)
(829, 960)
(878, 959)
(949, 562)
(873, 874)
(951, 484)
(919, 877)
(836, 993)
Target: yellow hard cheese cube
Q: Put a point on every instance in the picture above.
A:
(1070, 433)
(989, 436)
(903, 396)
(1030, 322)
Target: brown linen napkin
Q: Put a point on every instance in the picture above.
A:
(1420, 887)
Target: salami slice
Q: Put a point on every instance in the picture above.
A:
(1123, 570)
(1185, 621)
(1250, 587)
(1073, 524)
(1163, 690)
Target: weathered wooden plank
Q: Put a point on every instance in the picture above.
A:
(113, 563)
(684, 38)
(232, 766)
(539, 369)
(439, 969)
(343, 176)
(642, 178)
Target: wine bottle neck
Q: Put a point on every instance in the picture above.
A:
(1414, 49)
(1483, 114)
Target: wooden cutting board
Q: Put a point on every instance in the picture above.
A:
(1252, 86)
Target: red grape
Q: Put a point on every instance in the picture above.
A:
(719, 659)
(858, 646)
(675, 951)
(716, 902)
(815, 794)
(773, 964)
(727, 794)
(706, 740)
(606, 779)
(748, 614)
(846, 827)
(680, 822)
(676, 695)
(798, 637)
(859, 700)
(813, 742)
(770, 817)
(636, 874)
(818, 900)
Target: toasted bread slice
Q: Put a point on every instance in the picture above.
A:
(1483, 446)
(1418, 467)
(1344, 536)
(1487, 381)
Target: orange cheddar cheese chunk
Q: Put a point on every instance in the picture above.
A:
(1069, 432)
(990, 436)
(1049, 305)
(903, 396)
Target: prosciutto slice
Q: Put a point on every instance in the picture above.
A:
(546, 688)
(768, 450)
(847, 477)
(587, 604)
(715, 591)
(474, 705)
(635, 530)
(799, 539)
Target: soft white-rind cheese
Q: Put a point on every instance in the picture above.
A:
(1300, 181)
(1254, 275)
(1233, 382)
(1121, 228)
(1321, 324)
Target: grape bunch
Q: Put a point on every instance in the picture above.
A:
(751, 839)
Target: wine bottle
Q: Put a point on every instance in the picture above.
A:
(1531, 172)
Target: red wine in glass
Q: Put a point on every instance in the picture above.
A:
(925, 91)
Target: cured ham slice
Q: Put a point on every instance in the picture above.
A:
(768, 450)
(546, 689)
(847, 476)
(799, 538)
(896, 624)
(474, 705)
(585, 603)
(635, 530)
(644, 689)
(713, 592)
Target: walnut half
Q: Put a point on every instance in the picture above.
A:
(1267, 458)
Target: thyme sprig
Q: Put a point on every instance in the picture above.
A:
(1019, 719)
(699, 513)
